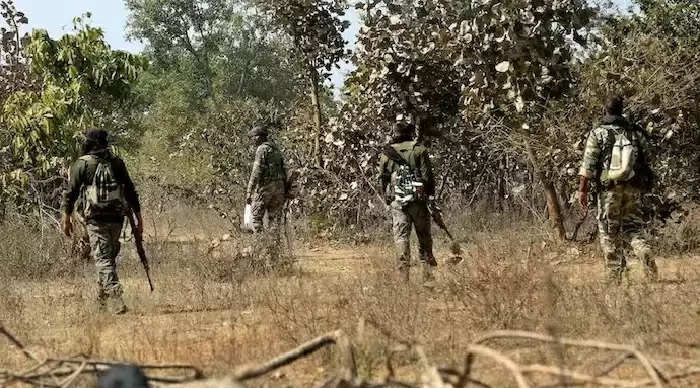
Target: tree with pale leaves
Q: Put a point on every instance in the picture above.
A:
(316, 28)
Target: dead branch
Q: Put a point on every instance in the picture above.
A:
(643, 360)
(16, 343)
(502, 360)
(466, 377)
(675, 376)
(64, 372)
(580, 377)
(614, 365)
(67, 382)
(447, 373)
(338, 338)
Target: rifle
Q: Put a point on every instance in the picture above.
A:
(138, 240)
(436, 214)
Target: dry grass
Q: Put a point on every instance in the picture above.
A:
(210, 310)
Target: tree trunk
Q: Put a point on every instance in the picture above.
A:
(550, 193)
(316, 114)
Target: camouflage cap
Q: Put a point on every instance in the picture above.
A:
(258, 130)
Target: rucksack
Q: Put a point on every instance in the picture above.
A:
(406, 181)
(104, 196)
(274, 165)
(623, 151)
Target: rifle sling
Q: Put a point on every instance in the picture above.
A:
(394, 155)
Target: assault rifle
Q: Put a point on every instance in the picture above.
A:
(436, 214)
(138, 240)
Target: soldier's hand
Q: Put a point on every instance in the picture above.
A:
(66, 225)
(583, 199)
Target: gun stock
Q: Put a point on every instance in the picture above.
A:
(138, 240)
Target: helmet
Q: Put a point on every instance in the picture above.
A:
(258, 130)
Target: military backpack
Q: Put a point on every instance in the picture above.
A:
(104, 196)
(622, 150)
(406, 180)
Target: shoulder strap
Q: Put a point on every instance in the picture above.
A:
(394, 155)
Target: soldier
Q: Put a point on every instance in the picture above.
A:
(616, 156)
(407, 184)
(267, 191)
(107, 192)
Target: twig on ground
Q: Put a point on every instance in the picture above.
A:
(643, 360)
(501, 359)
(18, 344)
(338, 338)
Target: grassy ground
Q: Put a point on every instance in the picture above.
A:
(209, 310)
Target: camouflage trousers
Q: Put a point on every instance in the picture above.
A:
(620, 223)
(105, 247)
(413, 215)
(269, 200)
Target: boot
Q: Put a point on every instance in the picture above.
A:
(405, 268)
(428, 275)
(616, 269)
(117, 305)
(101, 305)
(651, 271)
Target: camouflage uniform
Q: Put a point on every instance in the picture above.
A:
(105, 246)
(413, 214)
(619, 203)
(103, 230)
(267, 192)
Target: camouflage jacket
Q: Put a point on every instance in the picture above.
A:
(268, 168)
(417, 157)
(81, 175)
(598, 149)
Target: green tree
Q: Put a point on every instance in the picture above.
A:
(81, 83)
(498, 64)
(217, 68)
(653, 59)
(516, 60)
(174, 28)
(316, 30)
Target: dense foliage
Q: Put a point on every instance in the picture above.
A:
(79, 83)
(503, 91)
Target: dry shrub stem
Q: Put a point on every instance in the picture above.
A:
(433, 377)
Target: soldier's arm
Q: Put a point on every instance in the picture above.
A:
(426, 170)
(384, 173)
(130, 193)
(72, 191)
(257, 173)
(70, 195)
(285, 173)
(591, 157)
(645, 160)
(589, 166)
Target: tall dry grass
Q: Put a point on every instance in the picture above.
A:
(213, 310)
